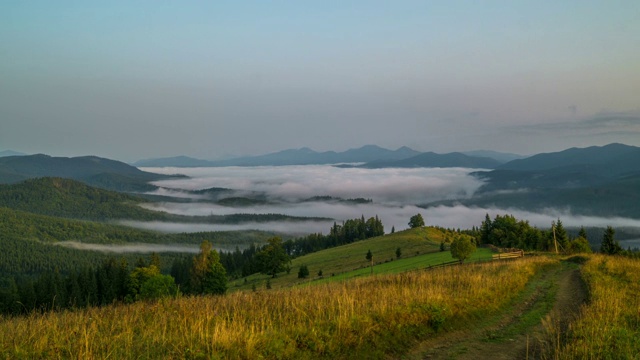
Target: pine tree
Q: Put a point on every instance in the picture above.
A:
(561, 236)
(583, 233)
(609, 245)
(485, 229)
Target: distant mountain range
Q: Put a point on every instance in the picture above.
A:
(597, 180)
(431, 159)
(500, 156)
(11, 153)
(92, 170)
(374, 157)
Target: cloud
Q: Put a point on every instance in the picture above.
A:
(293, 183)
(130, 248)
(394, 191)
(297, 228)
(466, 217)
(603, 123)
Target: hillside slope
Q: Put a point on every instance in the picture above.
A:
(600, 181)
(93, 170)
(72, 199)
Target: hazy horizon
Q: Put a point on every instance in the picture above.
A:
(137, 80)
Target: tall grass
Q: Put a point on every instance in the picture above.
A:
(364, 318)
(609, 325)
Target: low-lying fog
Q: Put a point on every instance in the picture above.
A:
(131, 248)
(392, 191)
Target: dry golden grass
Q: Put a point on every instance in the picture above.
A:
(609, 325)
(364, 318)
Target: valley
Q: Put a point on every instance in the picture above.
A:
(346, 242)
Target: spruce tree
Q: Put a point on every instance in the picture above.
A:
(609, 245)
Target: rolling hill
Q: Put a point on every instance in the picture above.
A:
(598, 180)
(72, 199)
(92, 170)
(6, 153)
(75, 200)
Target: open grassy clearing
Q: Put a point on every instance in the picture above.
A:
(351, 257)
(373, 317)
(401, 265)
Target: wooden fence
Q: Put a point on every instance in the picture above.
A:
(509, 255)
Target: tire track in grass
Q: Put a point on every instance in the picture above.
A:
(517, 332)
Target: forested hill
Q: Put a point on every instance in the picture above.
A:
(598, 180)
(72, 199)
(95, 171)
(608, 161)
(592, 167)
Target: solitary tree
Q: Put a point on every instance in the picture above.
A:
(273, 258)
(303, 272)
(398, 253)
(561, 235)
(416, 221)
(609, 245)
(208, 276)
(462, 248)
(369, 257)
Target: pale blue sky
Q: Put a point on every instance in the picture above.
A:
(132, 80)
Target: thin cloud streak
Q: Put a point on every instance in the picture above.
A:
(130, 248)
(284, 227)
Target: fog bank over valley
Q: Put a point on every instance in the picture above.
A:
(286, 227)
(132, 247)
(393, 194)
(293, 183)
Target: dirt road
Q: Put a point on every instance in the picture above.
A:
(551, 299)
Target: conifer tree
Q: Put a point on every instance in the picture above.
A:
(609, 245)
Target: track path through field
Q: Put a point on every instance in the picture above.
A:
(552, 298)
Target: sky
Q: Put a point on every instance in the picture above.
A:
(134, 80)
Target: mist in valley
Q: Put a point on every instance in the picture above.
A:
(130, 247)
(393, 194)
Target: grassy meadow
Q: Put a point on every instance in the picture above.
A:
(370, 317)
(609, 325)
(420, 248)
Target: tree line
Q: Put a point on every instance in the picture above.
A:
(508, 232)
(114, 281)
(242, 263)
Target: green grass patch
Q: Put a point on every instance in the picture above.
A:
(414, 263)
(419, 248)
